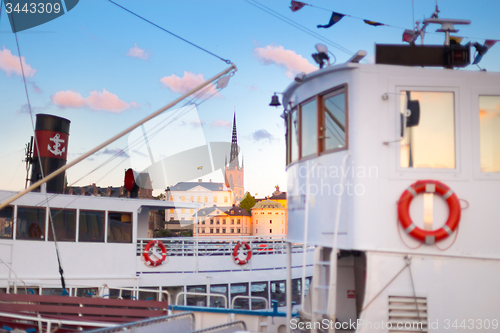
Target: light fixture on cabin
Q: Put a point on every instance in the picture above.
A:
(322, 55)
(300, 77)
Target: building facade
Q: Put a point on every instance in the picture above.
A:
(268, 218)
(233, 173)
(222, 221)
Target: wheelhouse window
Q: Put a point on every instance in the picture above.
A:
(30, 223)
(91, 226)
(317, 126)
(64, 224)
(489, 133)
(119, 227)
(428, 140)
(6, 218)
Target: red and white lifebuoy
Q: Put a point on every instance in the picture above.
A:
(148, 254)
(237, 260)
(429, 186)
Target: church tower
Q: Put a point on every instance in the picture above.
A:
(234, 173)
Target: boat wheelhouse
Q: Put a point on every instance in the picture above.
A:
(363, 141)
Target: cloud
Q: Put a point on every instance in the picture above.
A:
(221, 123)
(137, 52)
(35, 87)
(261, 135)
(35, 109)
(253, 88)
(290, 60)
(99, 101)
(184, 84)
(10, 64)
(113, 151)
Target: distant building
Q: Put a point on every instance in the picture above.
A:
(279, 196)
(206, 193)
(110, 191)
(222, 221)
(268, 218)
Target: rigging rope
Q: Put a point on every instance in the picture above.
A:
(177, 36)
(51, 222)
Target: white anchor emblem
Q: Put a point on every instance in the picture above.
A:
(57, 144)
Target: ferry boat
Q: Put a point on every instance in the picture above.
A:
(394, 175)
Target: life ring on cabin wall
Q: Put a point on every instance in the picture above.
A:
(237, 260)
(148, 253)
(429, 186)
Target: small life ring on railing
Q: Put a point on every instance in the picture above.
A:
(429, 186)
(237, 260)
(149, 253)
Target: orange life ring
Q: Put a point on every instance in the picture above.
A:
(235, 253)
(148, 257)
(429, 186)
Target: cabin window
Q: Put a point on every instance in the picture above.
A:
(6, 218)
(215, 300)
(332, 133)
(430, 142)
(489, 133)
(278, 292)
(318, 125)
(91, 226)
(119, 227)
(64, 224)
(240, 289)
(259, 289)
(30, 223)
(309, 128)
(196, 300)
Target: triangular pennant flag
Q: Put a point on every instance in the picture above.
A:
(375, 24)
(408, 35)
(334, 19)
(297, 5)
(482, 49)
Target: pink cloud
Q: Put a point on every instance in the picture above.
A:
(184, 84)
(137, 52)
(221, 123)
(9, 63)
(68, 99)
(253, 88)
(99, 101)
(290, 60)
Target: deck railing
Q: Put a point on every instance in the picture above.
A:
(205, 246)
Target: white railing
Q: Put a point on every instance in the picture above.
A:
(184, 293)
(204, 246)
(50, 322)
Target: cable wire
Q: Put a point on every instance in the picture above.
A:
(171, 33)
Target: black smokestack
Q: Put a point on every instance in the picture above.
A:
(50, 150)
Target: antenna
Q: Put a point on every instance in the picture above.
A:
(447, 26)
(28, 153)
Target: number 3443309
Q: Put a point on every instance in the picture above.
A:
(471, 324)
(33, 8)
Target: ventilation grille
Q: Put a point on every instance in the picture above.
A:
(403, 314)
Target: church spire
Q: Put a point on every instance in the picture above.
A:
(233, 158)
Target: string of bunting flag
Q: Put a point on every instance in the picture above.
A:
(408, 34)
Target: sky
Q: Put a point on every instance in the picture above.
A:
(105, 69)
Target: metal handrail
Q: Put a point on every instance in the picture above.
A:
(15, 281)
(201, 294)
(250, 298)
(138, 290)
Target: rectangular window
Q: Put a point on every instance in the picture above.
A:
(119, 227)
(191, 211)
(206, 199)
(217, 221)
(192, 199)
(489, 133)
(232, 231)
(215, 199)
(232, 221)
(91, 226)
(183, 198)
(293, 136)
(196, 300)
(309, 128)
(239, 222)
(202, 222)
(224, 221)
(225, 199)
(430, 142)
(211, 231)
(30, 223)
(202, 231)
(199, 199)
(218, 301)
(171, 198)
(217, 231)
(183, 210)
(239, 289)
(238, 230)
(6, 218)
(64, 224)
(333, 125)
(278, 292)
(171, 211)
(259, 289)
(270, 231)
(211, 221)
(223, 231)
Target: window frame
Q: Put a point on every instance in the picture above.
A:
(77, 225)
(320, 126)
(44, 229)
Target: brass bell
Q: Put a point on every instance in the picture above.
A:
(275, 101)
